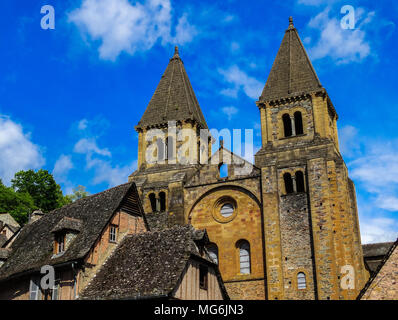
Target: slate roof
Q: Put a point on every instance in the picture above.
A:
(33, 247)
(6, 218)
(3, 239)
(174, 98)
(67, 223)
(4, 253)
(146, 265)
(378, 248)
(374, 254)
(292, 72)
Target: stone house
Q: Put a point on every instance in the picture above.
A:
(78, 239)
(288, 227)
(159, 265)
(8, 226)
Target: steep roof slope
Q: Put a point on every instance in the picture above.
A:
(33, 248)
(374, 254)
(6, 218)
(292, 72)
(146, 265)
(383, 285)
(174, 98)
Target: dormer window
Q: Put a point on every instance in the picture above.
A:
(65, 231)
(59, 243)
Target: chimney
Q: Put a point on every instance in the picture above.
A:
(35, 215)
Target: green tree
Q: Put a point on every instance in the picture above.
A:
(78, 193)
(18, 204)
(41, 186)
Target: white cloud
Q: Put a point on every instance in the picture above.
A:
(122, 26)
(89, 147)
(378, 230)
(185, 32)
(103, 171)
(240, 81)
(316, 2)
(348, 141)
(82, 125)
(230, 111)
(113, 176)
(16, 150)
(343, 46)
(374, 169)
(61, 168)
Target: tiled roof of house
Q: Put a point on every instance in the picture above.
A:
(374, 254)
(383, 284)
(376, 249)
(67, 223)
(174, 98)
(4, 253)
(146, 265)
(292, 72)
(3, 239)
(33, 248)
(6, 218)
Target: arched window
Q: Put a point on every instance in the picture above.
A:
(227, 210)
(287, 125)
(161, 149)
(298, 122)
(300, 181)
(288, 183)
(170, 148)
(223, 170)
(213, 252)
(162, 197)
(244, 256)
(301, 282)
(152, 199)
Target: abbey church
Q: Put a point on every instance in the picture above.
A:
(286, 229)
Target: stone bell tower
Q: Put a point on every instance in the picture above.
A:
(313, 247)
(172, 119)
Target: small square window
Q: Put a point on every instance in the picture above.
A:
(112, 233)
(203, 277)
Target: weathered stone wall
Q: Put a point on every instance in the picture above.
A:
(226, 232)
(246, 290)
(296, 245)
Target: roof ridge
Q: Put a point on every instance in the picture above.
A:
(91, 196)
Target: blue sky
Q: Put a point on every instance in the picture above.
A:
(70, 97)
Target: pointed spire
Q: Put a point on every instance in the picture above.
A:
(292, 72)
(291, 25)
(176, 55)
(174, 98)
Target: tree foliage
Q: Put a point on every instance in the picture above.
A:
(18, 204)
(41, 186)
(30, 191)
(78, 193)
